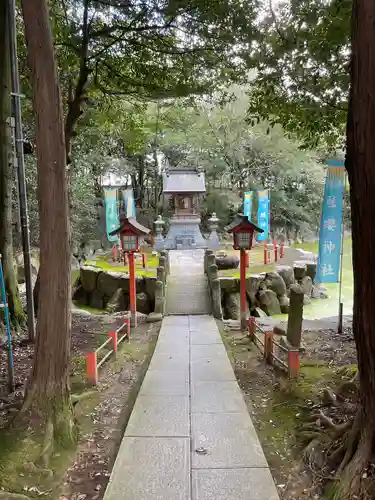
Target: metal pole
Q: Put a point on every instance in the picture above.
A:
(16, 100)
(341, 305)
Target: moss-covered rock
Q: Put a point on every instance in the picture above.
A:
(269, 302)
(89, 277)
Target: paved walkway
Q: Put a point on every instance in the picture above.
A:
(190, 436)
(187, 289)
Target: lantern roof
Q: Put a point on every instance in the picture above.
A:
(130, 223)
(241, 221)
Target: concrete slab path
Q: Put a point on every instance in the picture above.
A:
(190, 436)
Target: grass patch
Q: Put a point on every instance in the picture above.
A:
(107, 266)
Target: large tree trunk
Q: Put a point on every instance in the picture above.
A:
(48, 392)
(17, 315)
(360, 165)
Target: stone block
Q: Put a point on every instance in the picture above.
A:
(276, 283)
(229, 439)
(234, 484)
(159, 416)
(287, 274)
(89, 277)
(217, 397)
(229, 285)
(151, 469)
(165, 383)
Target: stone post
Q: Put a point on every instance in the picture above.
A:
(163, 263)
(160, 274)
(165, 253)
(216, 299)
(212, 273)
(206, 254)
(210, 261)
(295, 317)
(294, 329)
(159, 298)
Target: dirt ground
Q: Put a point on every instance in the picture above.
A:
(101, 418)
(279, 406)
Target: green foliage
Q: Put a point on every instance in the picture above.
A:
(302, 60)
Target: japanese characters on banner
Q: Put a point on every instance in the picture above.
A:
(263, 214)
(128, 203)
(111, 213)
(248, 204)
(331, 225)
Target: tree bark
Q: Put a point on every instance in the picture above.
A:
(48, 393)
(360, 165)
(17, 314)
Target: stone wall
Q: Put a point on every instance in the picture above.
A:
(110, 290)
(267, 293)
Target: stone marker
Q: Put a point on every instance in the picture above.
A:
(210, 261)
(295, 318)
(206, 254)
(158, 313)
(216, 299)
(160, 274)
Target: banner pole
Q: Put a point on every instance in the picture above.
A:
(341, 305)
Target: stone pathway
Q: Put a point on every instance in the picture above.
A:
(187, 289)
(190, 436)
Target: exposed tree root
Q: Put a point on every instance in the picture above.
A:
(347, 448)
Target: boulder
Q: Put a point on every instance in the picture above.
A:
(319, 292)
(258, 313)
(252, 288)
(89, 277)
(276, 283)
(284, 304)
(229, 285)
(306, 300)
(96, 300)
(279, 330)
(228, 262)
(269, 302)
(143, 303)
(233, 308)
(299, 271)
(150, 284)
(311, 270)
(306, 285)
(80, 295)
(118, 302)
(154, 317)
(287, 274)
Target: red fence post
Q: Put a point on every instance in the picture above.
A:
(144, 260)
(113, 336)
(265, 252)
(92, 367)
(268, 346)
(127, 323)
(252, 328)
(293, 363)
(275, 249)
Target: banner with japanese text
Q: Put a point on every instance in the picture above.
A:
(330, 236)
(128, 203)
(111, 213)
(248, 204)
(263, 214)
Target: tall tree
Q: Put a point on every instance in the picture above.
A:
(48, 392)
(360, 158)
(6, 176)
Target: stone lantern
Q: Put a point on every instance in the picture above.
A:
(213, 242)
(159, 240)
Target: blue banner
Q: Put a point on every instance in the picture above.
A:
(330, 236)
(263, 214)
(248, 204)
(129, 203)
(111, 213)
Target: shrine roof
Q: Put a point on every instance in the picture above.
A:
(184, 181)
(126, 222)
(242, 220)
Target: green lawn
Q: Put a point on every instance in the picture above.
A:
(108, 265)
